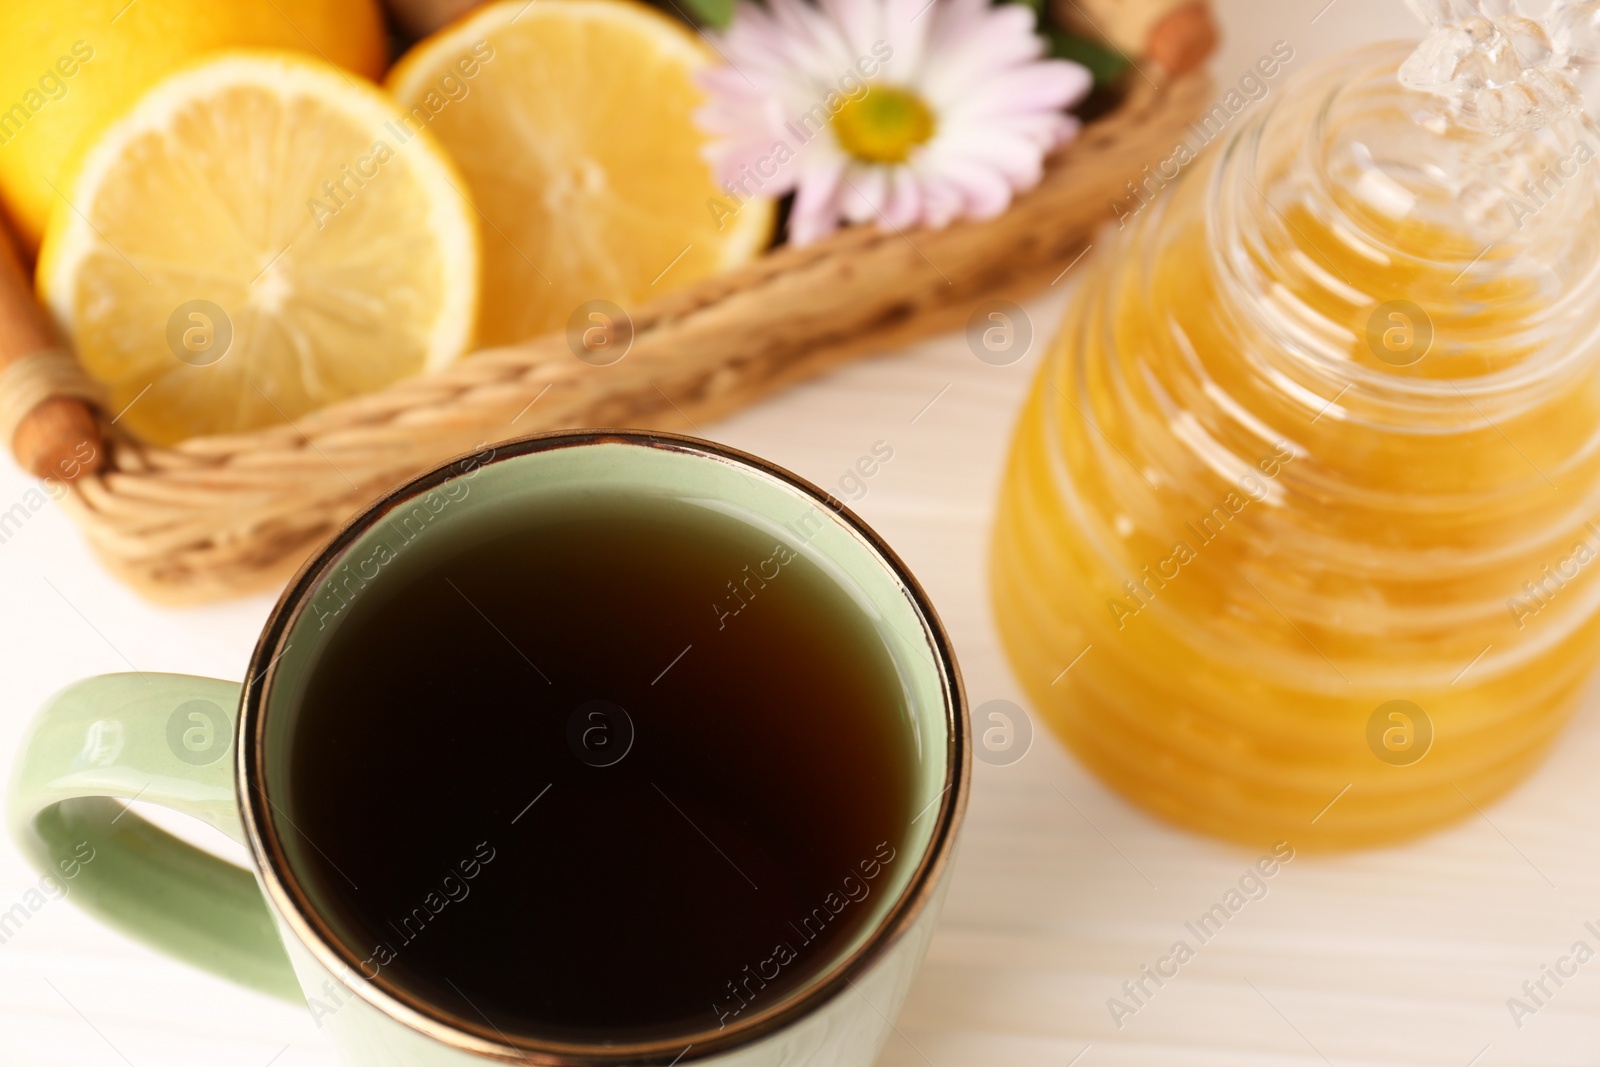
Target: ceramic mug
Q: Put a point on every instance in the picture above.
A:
(167, 739)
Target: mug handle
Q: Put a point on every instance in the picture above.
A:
(166, 739)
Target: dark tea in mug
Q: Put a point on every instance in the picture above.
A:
(620, 770)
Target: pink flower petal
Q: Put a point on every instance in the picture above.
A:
(808, 34)
(903, 208)
(1047, 129)
(983, 190)
(906, 25)
(941, 203)
(866, 189)
(1016, 157)
(816, 202)
(1048, 85)
(1068, 131)
(1003, 39)
(859, 21)
(954, 20)
(753, 167)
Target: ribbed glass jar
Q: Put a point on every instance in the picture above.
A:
(1300, 533)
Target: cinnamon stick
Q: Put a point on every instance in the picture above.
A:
(60, 437)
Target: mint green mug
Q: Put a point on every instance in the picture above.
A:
(209, 749)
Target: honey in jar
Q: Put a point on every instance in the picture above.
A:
(1300, 531)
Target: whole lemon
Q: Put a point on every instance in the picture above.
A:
(69, 67)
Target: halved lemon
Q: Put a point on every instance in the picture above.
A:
(69, 68)
(262, 234)
(573, 122)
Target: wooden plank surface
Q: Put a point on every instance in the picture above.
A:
(1061, 892)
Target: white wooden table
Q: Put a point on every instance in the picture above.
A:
(1061, 892)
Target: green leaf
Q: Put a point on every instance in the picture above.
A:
(716, 13)
(1105, 63)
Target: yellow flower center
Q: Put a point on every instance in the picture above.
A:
(884, 125)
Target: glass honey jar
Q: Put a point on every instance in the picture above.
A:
(1299, 537)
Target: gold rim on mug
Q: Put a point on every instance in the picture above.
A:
(481, 1037)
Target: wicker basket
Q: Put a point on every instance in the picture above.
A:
(220, 516)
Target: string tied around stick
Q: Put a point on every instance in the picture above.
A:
(29, 381)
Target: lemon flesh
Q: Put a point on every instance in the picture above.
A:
(69, 68)
(260, 236)
(573, 123)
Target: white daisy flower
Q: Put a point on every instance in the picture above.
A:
(910, 112)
